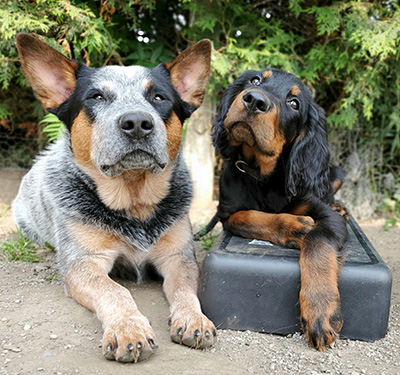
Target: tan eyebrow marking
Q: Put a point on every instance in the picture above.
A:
(267, 74)
(147, 84)
(295, 90)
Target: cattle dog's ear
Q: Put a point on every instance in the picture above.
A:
(189, 72)
(307, 171)
(50, 73)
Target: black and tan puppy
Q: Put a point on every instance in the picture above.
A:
(115, 190)
(278, 185)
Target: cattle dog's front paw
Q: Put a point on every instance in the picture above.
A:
(192, 329)
(129, 340)
(321, 325)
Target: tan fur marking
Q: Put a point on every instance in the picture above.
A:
(136, 192)
(267, 74)
(236, 112)
(336, 184)
(319, 294)
(87, 281)
(174, 136)
(264, 162)
(321, 267)
(264, 142)
(94, 240)
(104, 248)
(295, 90)
(147, 84)
(277, 228)
(81, 140)
(302, 209)
(172, 243)
(181, 282)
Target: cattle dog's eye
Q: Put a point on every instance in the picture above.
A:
(158, 98)
(294, 103)
(255, 81)
(98, 97)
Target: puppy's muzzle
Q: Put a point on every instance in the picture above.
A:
(255, 102)
(136, 125)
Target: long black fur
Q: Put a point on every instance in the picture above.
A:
(303, 172)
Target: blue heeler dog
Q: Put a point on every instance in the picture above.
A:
(114, 192)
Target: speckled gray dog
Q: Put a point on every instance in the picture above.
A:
(114, 191)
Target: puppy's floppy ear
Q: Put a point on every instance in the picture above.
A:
(189, 72)
(50, 73)
(307, 171)
(219, 134)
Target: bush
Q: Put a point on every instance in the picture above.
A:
(346, 51)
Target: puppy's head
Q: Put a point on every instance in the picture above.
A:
(262, 110)
(266, 112)
(120, 118)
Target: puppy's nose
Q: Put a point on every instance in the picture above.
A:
(136, 124)
(255, 102)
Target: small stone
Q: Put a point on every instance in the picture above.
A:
(27, 326)
(11, 348)
(53, 336)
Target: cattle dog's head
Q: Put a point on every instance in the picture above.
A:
(120, 118)
(270, 115)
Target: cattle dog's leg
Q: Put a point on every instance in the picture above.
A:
(174, 258)
(128, 336)
(282, 229)
(320, 255)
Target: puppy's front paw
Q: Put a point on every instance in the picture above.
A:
(192, 329)
(130, 339)
(321, 325)
(295, 228)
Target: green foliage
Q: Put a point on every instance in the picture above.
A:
(347, 52)
(392, 204)
(389, 223)
(208, 240)
(19, 248)
(149, 54)
(53, 128)
(3, 210)
(52, 277)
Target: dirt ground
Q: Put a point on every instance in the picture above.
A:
(44, 332)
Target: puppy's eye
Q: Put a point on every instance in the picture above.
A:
(158, 98)
(255, 81)
(294, 103)
(98, 97)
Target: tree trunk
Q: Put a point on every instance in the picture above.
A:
(199, 153)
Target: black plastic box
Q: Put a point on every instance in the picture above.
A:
(254, 287)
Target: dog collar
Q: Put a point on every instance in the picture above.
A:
(243, 167)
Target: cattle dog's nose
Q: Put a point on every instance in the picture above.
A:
(255, 102)
(136, 124)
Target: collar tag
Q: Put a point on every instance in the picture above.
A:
(238, 162)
